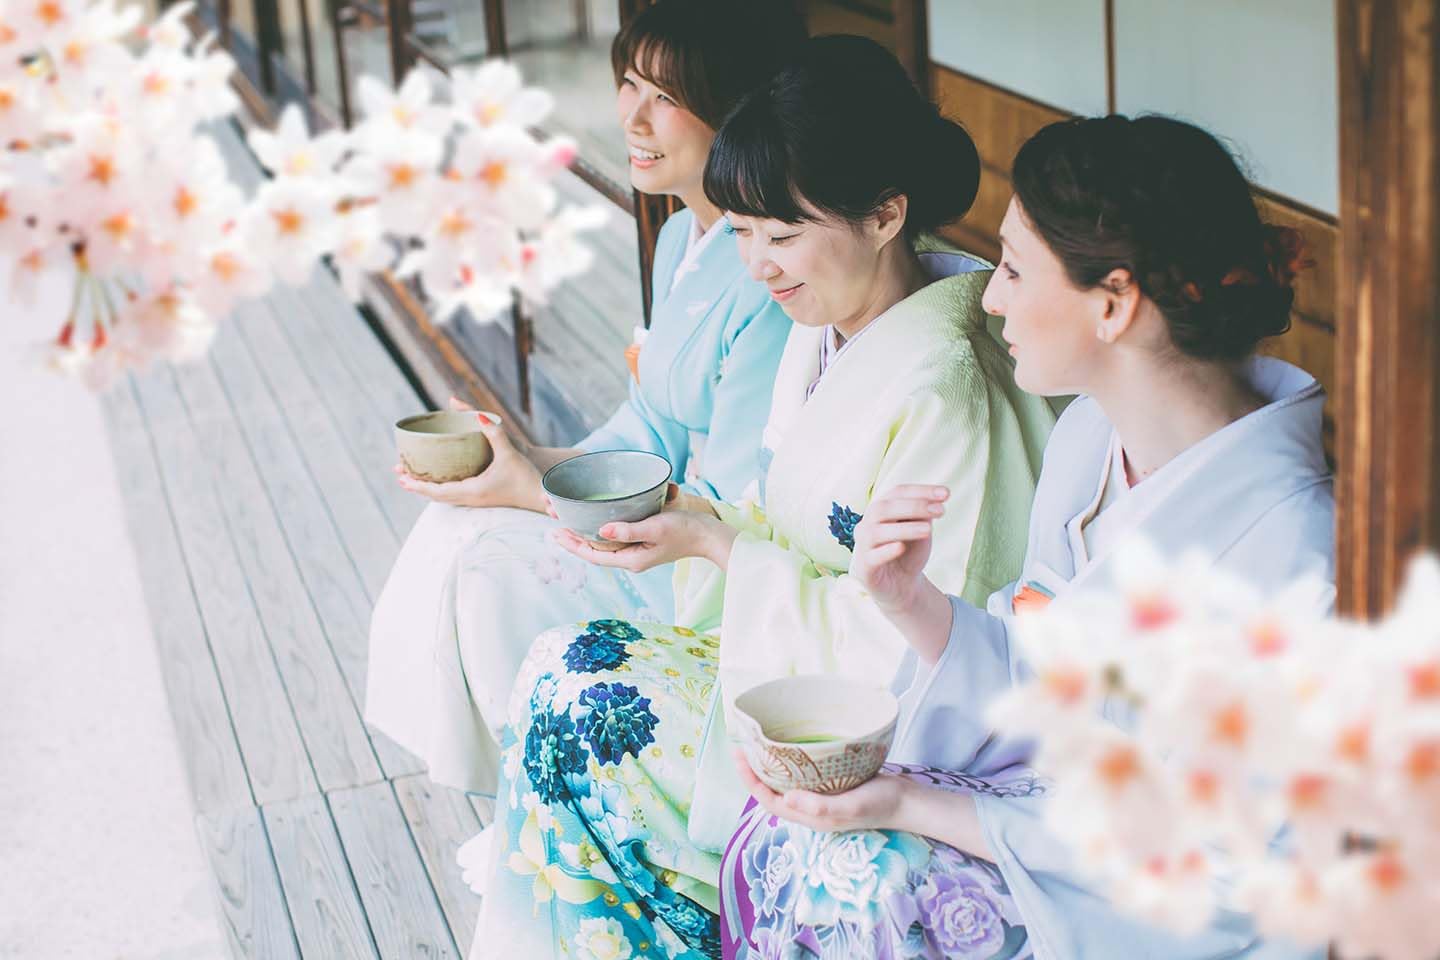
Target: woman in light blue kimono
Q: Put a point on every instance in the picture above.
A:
(1138, 274)
(616, 800)
(478, 578)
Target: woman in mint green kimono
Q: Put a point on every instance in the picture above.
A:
(615, 801)
(478, 577)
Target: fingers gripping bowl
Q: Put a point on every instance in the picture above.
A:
(822, 733)
(594, 489)
(444, 446)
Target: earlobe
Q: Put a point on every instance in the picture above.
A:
(890, 218)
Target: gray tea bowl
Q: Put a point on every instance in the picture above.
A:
(443, 446)
(594, 489)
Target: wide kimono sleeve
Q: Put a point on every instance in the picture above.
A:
(943, 706)
(755, 334)
(784, 615)
(1066, 919)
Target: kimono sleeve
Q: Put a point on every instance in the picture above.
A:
(635, 425)
(945, 704)
(783, 615)
(754, 339)
(1065, 918)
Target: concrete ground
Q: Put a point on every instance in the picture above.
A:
(98, 854)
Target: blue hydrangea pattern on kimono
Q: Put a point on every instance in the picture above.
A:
(619, 722)
(593, 800)
(843, 522)
(789, 891)
(552, 750)
(600, 647)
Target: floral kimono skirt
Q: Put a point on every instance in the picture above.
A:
(593, 860)
(792, 893)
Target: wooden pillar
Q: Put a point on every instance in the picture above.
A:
(338, 23)
(399, 19)
(1388, 372)
(912, 41)
(651, 212)
(268, 42)
(496, 43)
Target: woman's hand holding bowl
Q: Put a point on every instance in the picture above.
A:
(686, 527)
(510, 480)
(876, 804)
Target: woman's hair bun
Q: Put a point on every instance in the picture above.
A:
(840, 131)
(1165, 201)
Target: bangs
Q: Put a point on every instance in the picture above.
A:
(666, 60)
(748, 170)
(655, 60)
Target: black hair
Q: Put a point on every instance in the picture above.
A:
(840, 131)
(707, 54)
(1167, 202)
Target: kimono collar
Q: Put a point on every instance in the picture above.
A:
(938, 266)
(1242, 469)
(695, 245)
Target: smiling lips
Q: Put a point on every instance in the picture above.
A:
(780, 296)
(644, 159)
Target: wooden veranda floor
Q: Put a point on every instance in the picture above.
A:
(265, 518)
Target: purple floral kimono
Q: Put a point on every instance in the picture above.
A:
(791, 893)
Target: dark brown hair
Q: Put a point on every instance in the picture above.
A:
(707, 54)
(842, 130)
(1167, 202)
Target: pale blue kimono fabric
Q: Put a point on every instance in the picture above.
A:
(1258, 500)
(706, 369)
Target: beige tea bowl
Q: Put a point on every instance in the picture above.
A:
(443, 446)
(822, 733)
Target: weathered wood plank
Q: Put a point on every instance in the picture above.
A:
(329, 518)
(265, 726)
(325, 709)
(305, 430)
(405, 915)
(441, 820)
(206, 738)
(252, 905)
(336, 320)
(370, 439)
(324, 905)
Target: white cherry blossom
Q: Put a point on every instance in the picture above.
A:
(1206, 738)
(290, 151)
(391, 113)
(495, 95)
(361, 249)
(291, 222)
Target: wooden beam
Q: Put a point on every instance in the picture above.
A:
(1389, 344)
(912, 41)
(496, 43)
(651, 212)
(400, 21)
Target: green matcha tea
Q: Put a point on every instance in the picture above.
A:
(812, 738)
